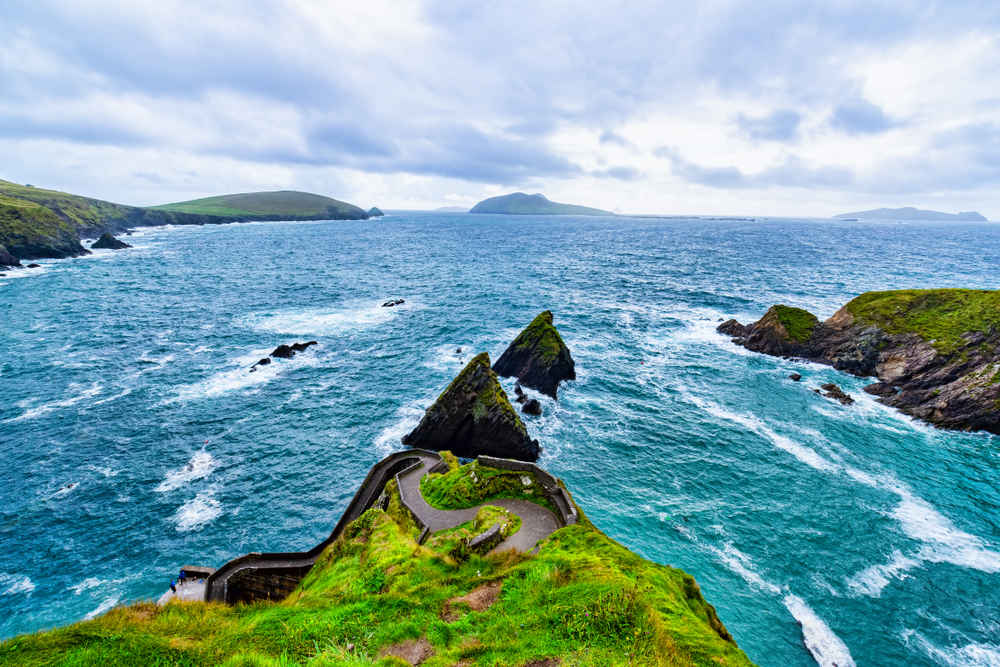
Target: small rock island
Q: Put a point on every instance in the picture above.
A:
(473, 417)
(519, 203)
(935, 352)
(109, 242)
(538, 357)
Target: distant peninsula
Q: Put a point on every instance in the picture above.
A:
(452, 209)
(910, 213)
(37, 223)
(519, 203)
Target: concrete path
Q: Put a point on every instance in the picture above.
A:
(536, 521)
(189, 592)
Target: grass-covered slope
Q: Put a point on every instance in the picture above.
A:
(31, 231)
(472, 484)
(287, 204)
(798, 323)
(582, 600)
(938, 316)
(519, 203)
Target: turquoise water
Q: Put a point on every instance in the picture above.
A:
(878, 534)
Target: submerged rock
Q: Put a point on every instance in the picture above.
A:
(835, 392)
(34, 266)
(473, 417)
(393, 302)
(538, 357)
(288, 351)
(532, 407)
(109, 242)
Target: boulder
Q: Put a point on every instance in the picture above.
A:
(473, 417)
(109, 242)
(34, 266)
(288, 351)
(538, 357)
(835, 392)
(263, 362)
(532, 407)
(795, 377)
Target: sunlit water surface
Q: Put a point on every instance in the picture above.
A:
(879, 535)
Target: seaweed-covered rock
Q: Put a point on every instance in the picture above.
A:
(109, 242)
(473, 417)
(538, 357)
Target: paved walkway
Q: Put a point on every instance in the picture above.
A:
(189, 592)
(536, 522)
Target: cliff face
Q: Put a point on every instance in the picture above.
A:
(473, 417)
(936, 353)
(538, 357)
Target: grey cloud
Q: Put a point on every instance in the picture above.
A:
(792, 173)
(611, 137)
(861, 117)
(780, 125)
(619, 173)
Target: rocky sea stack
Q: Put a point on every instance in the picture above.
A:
(538, 357)
(474, 417)
(375, 212)
(109, 242)
(935, 352)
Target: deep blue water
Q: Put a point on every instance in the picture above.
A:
(880, 535)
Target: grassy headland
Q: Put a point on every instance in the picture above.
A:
(519, 203)
(799, 323)
(287, 204)
(581, 600)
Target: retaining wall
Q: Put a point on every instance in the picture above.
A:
(550, 485)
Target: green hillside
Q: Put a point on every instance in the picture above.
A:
(519, 203)
(290, 203)
(376, 593)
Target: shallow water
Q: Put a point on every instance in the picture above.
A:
(127, 375)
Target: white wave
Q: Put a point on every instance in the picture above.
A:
(12, 584)
(970, 655)
(388, 440)
(448, 358)
(944, 543)
(94, 389)
(111, 398)
(201, 465)
(804, 454)
(742, 564)
(89, 582)
(827, 648)
(324, 322)
(65, 490)
(200, 510)
(101, 608)
(861, 476)
(240, 377)
(872, 580)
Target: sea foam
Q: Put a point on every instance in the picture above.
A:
(14, 584)
(201, 465)
(45, 408)
(200, 510)
(826, 647)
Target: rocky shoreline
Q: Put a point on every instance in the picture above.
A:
(936, 353)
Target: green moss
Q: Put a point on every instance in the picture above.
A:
(473, 484)
(938, 316)
(490, 395)
(799, 323)
(541, 337)
(583, 600)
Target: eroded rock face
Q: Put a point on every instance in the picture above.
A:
(955, 386)
(473, 417)
(538, 357)
(109, 242)
(8, 260)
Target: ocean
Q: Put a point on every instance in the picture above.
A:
(136, 440)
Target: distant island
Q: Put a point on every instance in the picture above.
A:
(910, 213)
(37, 223)
(452, 209)
(519, 203)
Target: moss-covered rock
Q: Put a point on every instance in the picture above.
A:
(473, 417)
(538, 357)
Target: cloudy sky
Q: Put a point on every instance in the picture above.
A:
(714, 107)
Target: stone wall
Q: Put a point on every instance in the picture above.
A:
(553, 492)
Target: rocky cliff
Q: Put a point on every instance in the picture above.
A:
(109, 242)
(936, 353)
(473, 417)
(538, 357)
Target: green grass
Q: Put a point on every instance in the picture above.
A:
(583, 599)
(472, 484)
(938, 316)
(542, 337)
(81, 213)
(799, 323)
(286, 202)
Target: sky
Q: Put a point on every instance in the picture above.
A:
(771, 107)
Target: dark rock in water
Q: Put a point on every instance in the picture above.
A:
(882, 389)
(34, 266)
(517, 389)
(288, 351)
(8, 260)
(538, 357)
(473, 417)
(795, 377)
(458, 351)
(521, 398)
(719, 320)
(393, 302)
(835, 392)
(731, 328)
(263, 362)
(375, 212)
(532, 407)
(109, 242)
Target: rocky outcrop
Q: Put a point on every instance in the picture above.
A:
(375, 212)
(109, 242)
(8, 261)
(836, 393)
(396, 302)
(288, 351)
(538, 357)
(936, 353)
(473, 417)
(532, 406)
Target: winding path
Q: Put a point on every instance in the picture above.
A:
(536, 522)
